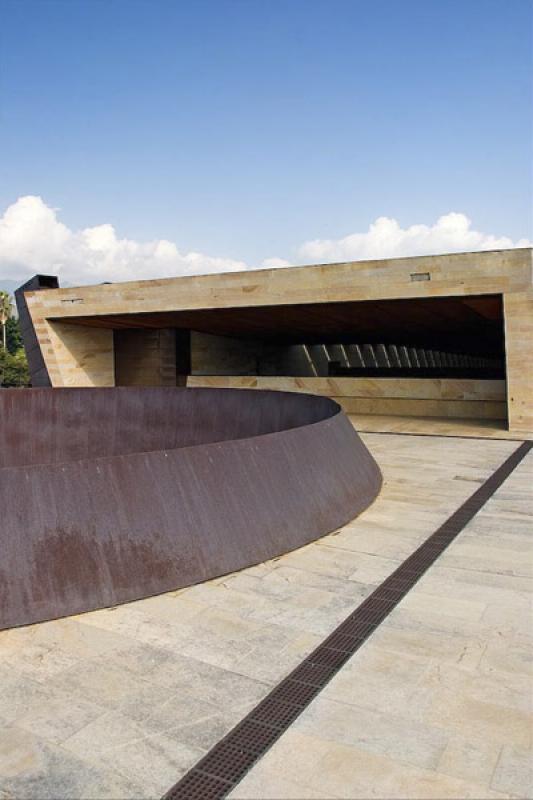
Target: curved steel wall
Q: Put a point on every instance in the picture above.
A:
(109, 495)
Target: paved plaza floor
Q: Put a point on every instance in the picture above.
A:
(120, 703)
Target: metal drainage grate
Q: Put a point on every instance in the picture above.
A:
(230, 759)
(196, 785)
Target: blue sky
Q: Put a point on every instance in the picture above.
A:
(243, 128)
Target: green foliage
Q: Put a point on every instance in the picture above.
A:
(13, 363)
(13, 368)
(14, 339)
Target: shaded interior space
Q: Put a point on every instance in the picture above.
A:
(434, 337)
(437, 357)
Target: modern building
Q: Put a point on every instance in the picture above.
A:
(434, 336)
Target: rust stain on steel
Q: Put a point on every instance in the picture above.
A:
(114, 494)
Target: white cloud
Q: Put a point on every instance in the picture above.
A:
(271, 263)
(386, 239)
(32, 239)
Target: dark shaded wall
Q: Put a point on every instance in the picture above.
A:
(38, 372)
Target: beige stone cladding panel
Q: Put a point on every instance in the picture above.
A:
(422, 388)
(494, 272)
(47, 339)
(413, 407)
(391, 396)
(518, 310)
(82, 356)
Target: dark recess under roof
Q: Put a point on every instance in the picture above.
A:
(472, 324)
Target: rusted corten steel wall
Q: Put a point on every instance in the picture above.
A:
(109, 495)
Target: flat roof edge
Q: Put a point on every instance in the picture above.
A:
(273, 270)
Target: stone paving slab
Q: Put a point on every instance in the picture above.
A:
(439, 701)
(121, 702)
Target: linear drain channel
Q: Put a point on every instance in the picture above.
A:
(233, 756)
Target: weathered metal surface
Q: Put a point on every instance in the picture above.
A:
(109, 495)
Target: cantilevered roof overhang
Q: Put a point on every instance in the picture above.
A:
(472, 323)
